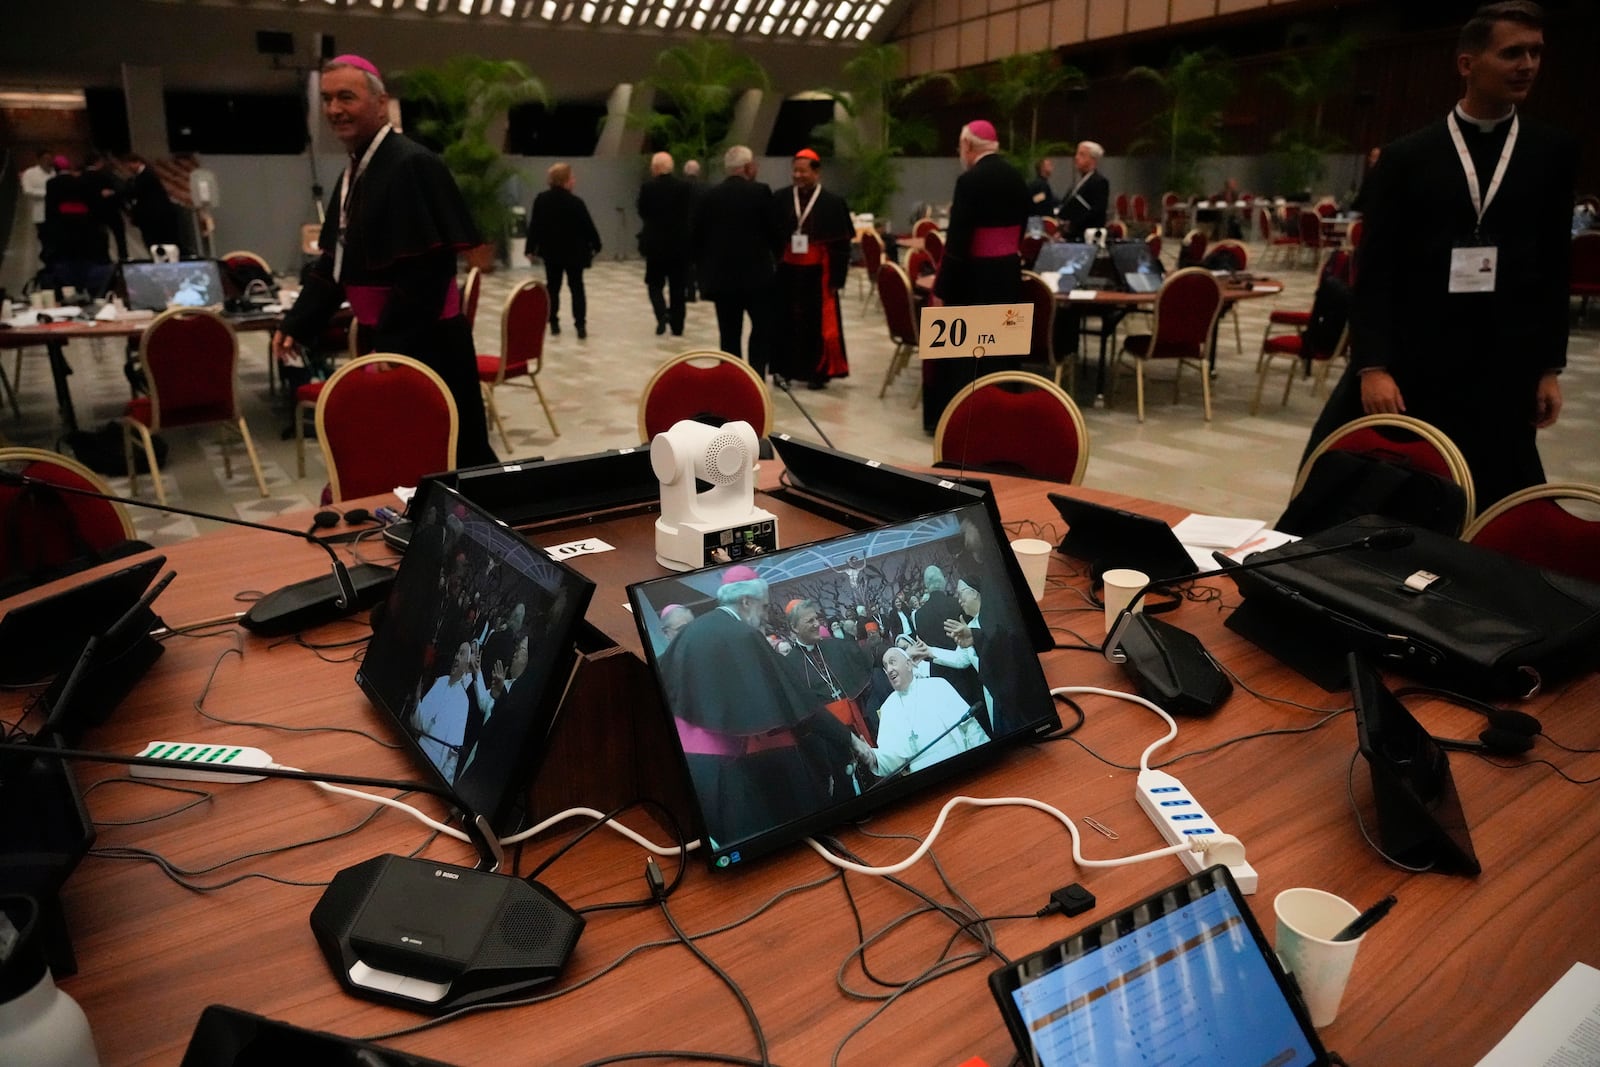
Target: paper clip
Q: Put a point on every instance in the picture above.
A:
(1100, 828)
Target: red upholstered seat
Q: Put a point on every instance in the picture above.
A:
(1014, 421)
(704, 385)
(1042, 344)
(1186, 311)
(1420, 452)
(521, 355)
(899, 313)
(1532, 525)
(189, 356)
(1290, 317)
(384, 420)
(1397, 438)
(46, 531)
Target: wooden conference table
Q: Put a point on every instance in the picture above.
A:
(1439, 981)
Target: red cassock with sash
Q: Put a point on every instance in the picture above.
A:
(811, 332)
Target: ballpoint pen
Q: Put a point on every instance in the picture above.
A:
(1366, 920)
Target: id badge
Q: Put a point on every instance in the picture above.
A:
(1472, 270)
(799, 244)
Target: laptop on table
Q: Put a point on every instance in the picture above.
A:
(1138, 269)
(1110, 537)
(193, 283)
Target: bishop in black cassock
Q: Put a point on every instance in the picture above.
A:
(813, 230)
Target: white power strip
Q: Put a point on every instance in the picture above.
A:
(189, 762)
(1181, 820)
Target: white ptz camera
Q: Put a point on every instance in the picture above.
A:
(721, 524)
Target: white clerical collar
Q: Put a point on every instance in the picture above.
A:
(1484, 125)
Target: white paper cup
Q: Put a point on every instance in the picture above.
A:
(1120, 586)
(1307, 918)
(1034, 555)
(42, 298)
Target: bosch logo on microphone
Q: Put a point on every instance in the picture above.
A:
(437, 873)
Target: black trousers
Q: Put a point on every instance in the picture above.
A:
(731, 311)
(553, 274)
(667, 280)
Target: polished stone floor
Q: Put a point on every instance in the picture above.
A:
(1237, 464)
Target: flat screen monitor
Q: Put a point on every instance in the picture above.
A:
(531, 491)
(473, 649)
(1111, 537)
(891, 494)
(43, 638)
(228, 1037)
(1184, 977)
(1420, 822)
(796, 707)
(1072, 260)
(191, 283)
(1138, 269)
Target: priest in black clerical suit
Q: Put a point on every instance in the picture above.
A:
(394, 225)
(988, 211)
(1086, 204)
(1477, 360)
(760, 747)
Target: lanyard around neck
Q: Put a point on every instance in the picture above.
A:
(352, 174)
(1481, 201)
(800, 216)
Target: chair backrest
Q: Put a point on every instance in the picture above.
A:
(523, 320)
(1051, 226)
(1117, 230)
(933, 245)
(1140, 207)
(384, 420)
(1532, 525)
(919, 263)
(242, 258)
(1418, 443)
(41, 531)
(899, 311)
(706, 386)
(189, 356)
(1186, 310)
(1169, 201)
(1013, 420)
(1037, 290)
(1264, 224)
(871, 252)
(1354, 234)
(1586, 258)
(471, 289)
(1193, 250)
(1310, 224)
(924, 227)
(1153, 243)
(1122, 205)
(1326, 209)
(1231, 250)
(1028, 250)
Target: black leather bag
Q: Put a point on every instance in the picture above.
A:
(1455, 615)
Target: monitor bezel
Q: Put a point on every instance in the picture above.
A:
(730, 855)
(503, 810)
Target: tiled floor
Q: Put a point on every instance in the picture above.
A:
(1236, 464)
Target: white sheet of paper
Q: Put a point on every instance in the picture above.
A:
(1081, 294)
(1472, 270)
(1217, 531)
(1562, 1028)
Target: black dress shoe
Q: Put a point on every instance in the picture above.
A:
(661, 328)
(582, 333)
(555, 329)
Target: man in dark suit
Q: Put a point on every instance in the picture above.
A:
(149, 206)
(1040, 195)
(562, 233)
(664, 207)
(733, 240)
(1476, 354)
(1084, 208)
(980, 265)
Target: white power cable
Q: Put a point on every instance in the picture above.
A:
(1144, 757)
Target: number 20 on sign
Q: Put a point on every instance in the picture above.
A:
(977, 330)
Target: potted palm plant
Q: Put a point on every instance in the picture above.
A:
(456, 103)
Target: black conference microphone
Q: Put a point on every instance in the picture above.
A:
(284, 611)
(1379, 540)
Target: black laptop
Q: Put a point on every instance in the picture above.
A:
(192, 283)
(1070, 260)
(1138, 269)
(1109, 537)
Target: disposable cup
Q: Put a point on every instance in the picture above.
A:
(1034, 556)
(1307, 921)
(1120, 586)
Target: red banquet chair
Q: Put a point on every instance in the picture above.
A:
(1042, 346)
(1402, 437)
(1193, 250)
(900, 314)
(1122, 205)
(1585, 280)
(1185, 314)
(704, 385)
(1311, 238)
(190, 360)
(1286, 244)
(923, 227)
(933, 245)
(358, 343)
(1116, 230)
(50, 530)
(871, 260)
(1533, 525)
(471, 290)
(1230, 254)
(384, 420)
(1014, 421)
(1052, 228)
(522, 325)
(1141, 208)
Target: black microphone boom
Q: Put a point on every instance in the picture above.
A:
(284, 611)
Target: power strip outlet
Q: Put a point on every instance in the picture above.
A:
(188, 762)
(1181, 820)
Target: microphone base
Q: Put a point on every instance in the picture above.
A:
(315, 601)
